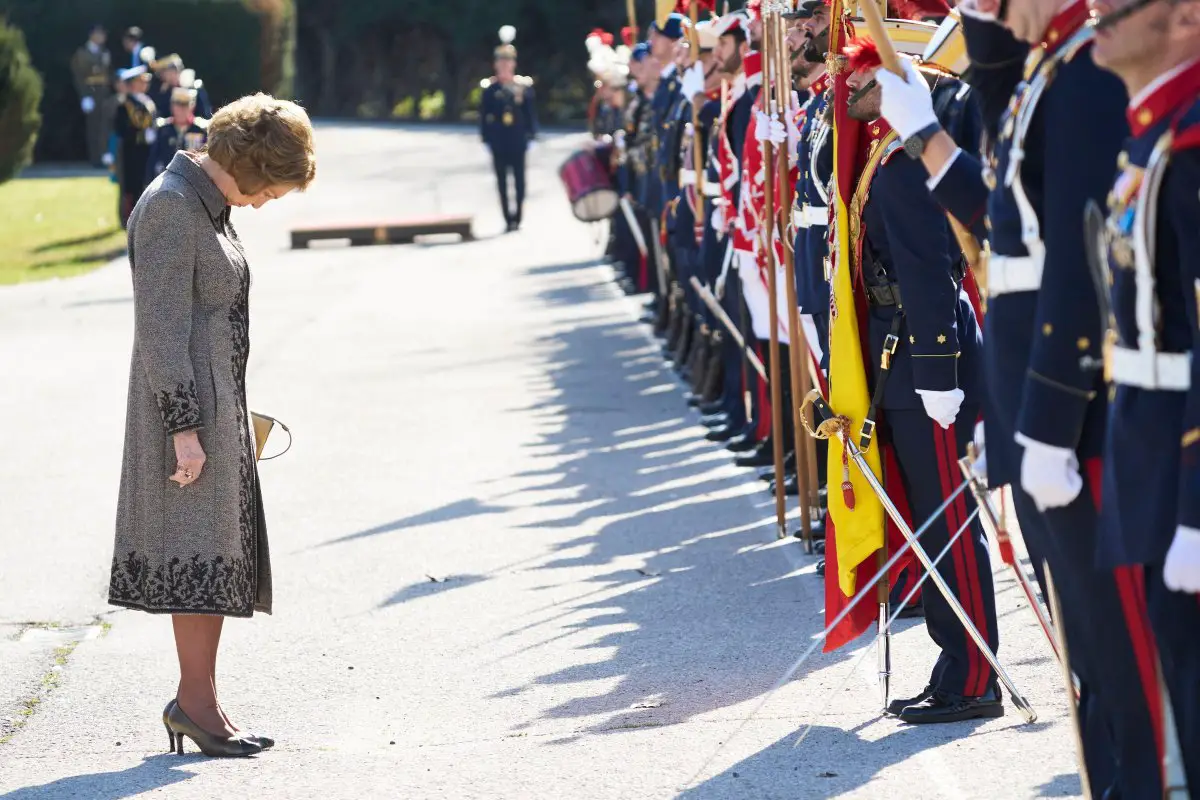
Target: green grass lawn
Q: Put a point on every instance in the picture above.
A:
(57, 227)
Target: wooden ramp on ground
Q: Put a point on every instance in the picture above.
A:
(394, 232)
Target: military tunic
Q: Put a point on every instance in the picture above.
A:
(169, 139)
(508, 125)
(135, 128)
(1152, 474)
(91, 70)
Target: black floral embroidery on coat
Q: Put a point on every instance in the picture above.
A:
(239, 327)
(214, 586)
(179, 407)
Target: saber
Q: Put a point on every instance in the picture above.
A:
(707, 297)
(886, 626)
(630, 218)
(826, 414)
(1069, 681)
(1095, 245)
(999, 534)
(660, 261)
(880, 574)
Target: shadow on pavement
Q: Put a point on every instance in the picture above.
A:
(155, 772)
(830, 763)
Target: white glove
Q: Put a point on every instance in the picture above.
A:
(720, 290)
(619, 139)
(1182, 570)
(107, 159)
(151, 135)
(88, 104)
(793, 130)
(970, 8)
(979, 468)
(692, 83)
(529, 146)
(942, 407)
(769, 129)
(718, 218)
(1050, 475)
(905, 103)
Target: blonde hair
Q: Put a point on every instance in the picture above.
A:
(262, 141)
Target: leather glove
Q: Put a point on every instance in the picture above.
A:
(1050, 475)
(942, 407)
(1182, 570)
(88, 104)
(692, 83)
(979, 468)
(905, 102)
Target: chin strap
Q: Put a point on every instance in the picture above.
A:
(1103, 21)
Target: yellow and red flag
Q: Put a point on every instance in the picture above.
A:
(856, 515)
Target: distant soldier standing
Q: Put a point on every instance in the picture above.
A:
(91, 69)
(134, 126)
(182, 130)
(508, 123)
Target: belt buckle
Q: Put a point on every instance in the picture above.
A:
(890, 343)
(866, 434)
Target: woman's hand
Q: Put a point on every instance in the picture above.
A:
(189, 458)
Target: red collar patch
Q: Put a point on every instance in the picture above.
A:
(1173, 95)
(1065, 24)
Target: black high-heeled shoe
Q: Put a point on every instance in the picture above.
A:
(179, 725)
(265, 742)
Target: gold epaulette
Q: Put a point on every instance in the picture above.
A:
(201, 123)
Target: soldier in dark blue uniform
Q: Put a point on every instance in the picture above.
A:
(133, 125)
(183, 130)
(508, 124)
(1056, 122)
(729, 419)
(928, 385)
(1151, 514)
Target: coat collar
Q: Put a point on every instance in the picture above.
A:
(183, 166)
(1065, 24)
(1171, 91)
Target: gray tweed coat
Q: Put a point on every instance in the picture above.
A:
(200, 549)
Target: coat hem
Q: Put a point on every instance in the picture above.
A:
(192, 611)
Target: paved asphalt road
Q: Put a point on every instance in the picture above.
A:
(506, 564)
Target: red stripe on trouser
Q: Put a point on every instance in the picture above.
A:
(1131, 588)
(956, 552)
(970, 557)
(764, 404)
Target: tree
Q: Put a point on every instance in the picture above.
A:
(20, 95)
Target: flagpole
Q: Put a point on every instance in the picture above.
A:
(805, 455)
(769, 84)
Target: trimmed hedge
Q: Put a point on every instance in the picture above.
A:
(221, 39)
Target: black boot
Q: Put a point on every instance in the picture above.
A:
(945, 707)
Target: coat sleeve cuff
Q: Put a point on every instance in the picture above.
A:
(990, 45)
(1052, 412)
(1189, 479)
(179, 408)
(935, 373)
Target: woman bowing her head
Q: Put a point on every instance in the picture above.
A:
(191, 540)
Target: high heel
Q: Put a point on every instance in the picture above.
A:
(211, 745)
(265, 742)
(170, 737)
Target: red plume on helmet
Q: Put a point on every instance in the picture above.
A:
(629, 36)
(862, 54)
(604, 36)
(702, 6)
(921, 9)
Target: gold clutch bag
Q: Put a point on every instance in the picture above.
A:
(263, 425)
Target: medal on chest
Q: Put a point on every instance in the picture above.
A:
(507, 119)
(1122, 215)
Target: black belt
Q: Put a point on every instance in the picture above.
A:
(890, 343)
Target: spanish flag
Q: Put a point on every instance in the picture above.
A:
(855, 511)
